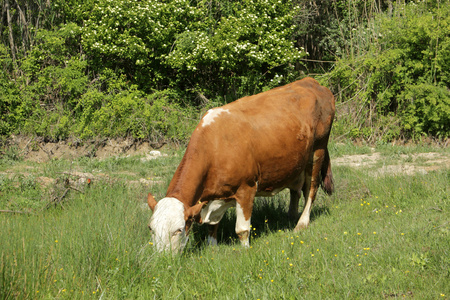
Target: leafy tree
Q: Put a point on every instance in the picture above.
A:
(245, 51)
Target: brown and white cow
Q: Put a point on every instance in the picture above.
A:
(254, 146)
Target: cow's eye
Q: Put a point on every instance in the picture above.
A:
(179, 231)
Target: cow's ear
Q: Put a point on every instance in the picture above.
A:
(151, 201)
(193, 211)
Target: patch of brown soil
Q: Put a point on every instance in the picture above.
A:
(409, 164)
(355, 161)
(36, 150)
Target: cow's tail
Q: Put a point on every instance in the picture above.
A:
(327, 175)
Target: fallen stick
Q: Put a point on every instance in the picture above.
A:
(59, 200)
(75, 189)
(56, 200)
(46, 152)
(14, 211)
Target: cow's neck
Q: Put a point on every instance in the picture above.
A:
(187, 182)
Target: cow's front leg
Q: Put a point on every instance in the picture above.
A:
(244, 206)
(212, 236)
(242, 226)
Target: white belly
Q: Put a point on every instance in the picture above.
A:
(213, 212)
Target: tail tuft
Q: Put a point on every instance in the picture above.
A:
(327, 175)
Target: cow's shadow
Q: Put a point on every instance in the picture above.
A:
(269, 215)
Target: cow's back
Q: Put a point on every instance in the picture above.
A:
(268, 137)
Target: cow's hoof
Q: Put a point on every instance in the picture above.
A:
(243, 237)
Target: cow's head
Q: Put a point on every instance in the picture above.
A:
(170, 223)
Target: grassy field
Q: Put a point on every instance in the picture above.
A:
(380, 236)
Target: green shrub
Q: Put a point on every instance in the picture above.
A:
(425, 108)
(124, 111)
(52, 73)
(404, 73)
(38, 99)
(9, 95)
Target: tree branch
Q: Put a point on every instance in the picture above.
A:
(11, 36)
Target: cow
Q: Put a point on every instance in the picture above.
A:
(255, 146)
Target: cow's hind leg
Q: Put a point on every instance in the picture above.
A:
(311, 184)
(212, 236)
(293, 204)
(295, 194)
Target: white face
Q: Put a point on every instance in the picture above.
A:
(168, 226)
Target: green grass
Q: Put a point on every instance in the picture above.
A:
(375, 238)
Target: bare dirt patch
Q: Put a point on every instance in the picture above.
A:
(403, 164)
(36, 150)
(39, 152)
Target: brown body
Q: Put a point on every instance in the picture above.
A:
(258, 145)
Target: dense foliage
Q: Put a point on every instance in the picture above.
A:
(401, 73)
(145, 69)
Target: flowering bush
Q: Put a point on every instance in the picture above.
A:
(131, 36)
(239, 49)
(176, 42)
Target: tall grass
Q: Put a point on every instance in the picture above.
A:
(383, 237)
